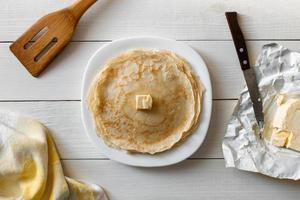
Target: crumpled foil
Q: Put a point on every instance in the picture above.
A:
(278, 72)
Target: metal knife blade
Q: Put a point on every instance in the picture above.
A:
(249, 74)
(251, 82)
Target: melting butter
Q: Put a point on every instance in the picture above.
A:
(143, 102)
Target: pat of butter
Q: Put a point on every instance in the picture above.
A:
(143, 102)
(293, 142)
(280, 139)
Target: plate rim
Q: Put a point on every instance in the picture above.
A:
(207, 96)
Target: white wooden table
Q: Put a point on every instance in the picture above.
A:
(199, 23)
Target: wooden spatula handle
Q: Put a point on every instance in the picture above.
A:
(79, 7)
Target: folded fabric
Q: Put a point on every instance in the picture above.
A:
(30, 167)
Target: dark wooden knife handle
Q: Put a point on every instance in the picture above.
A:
(238, 39)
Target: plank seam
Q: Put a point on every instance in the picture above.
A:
(37, 100)
(182, 40)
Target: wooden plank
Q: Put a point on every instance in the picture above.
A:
(63, 119)
(184, 20)
(191, 179)
(62, 80)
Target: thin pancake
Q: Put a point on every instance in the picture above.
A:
(176, 95)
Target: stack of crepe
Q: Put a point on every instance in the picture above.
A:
(161, 75)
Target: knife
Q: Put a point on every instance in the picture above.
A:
(249, 74)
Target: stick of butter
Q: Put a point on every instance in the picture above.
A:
(283, 122)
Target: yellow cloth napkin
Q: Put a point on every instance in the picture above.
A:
(30, 167)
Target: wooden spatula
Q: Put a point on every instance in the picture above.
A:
(39, 45)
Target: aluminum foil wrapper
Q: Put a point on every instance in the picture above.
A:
(278, 72)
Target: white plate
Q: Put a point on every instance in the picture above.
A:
(175, 154)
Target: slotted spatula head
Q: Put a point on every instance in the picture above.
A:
(39, 45)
